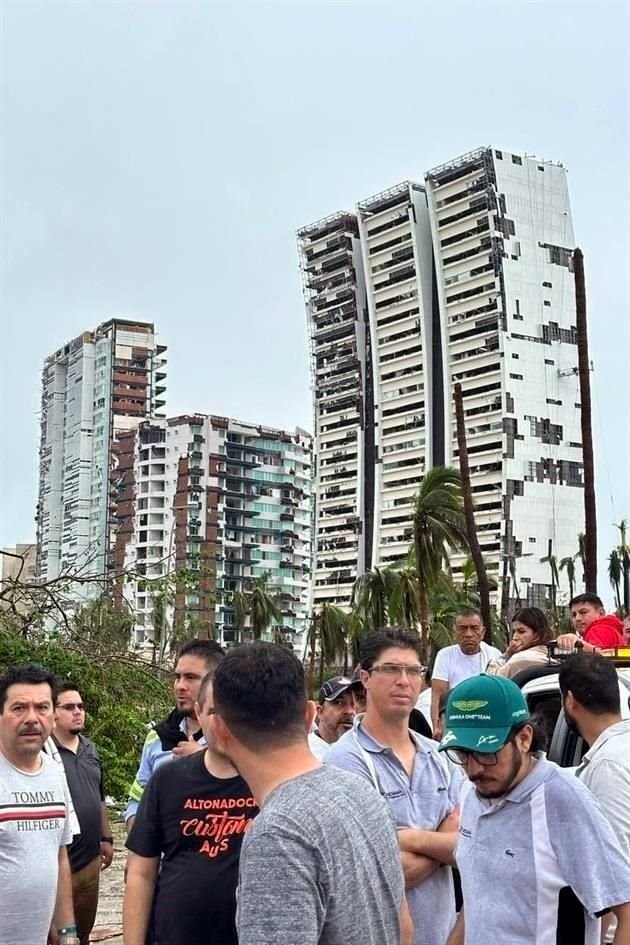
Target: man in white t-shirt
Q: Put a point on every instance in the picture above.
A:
(335, 715)
(468, 657)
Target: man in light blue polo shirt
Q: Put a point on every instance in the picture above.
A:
(539, 861)
(420, 786)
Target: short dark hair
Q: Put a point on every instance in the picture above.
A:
(260, 693)
(65, 685)
(468, 612)
(384, 639)
(593, 681)
(539, 737)
(30, 675)
(536, 620)
(206, 682)
(587, 598)
(207, 650)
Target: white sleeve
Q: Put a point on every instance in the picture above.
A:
(610, 783)
(442, 667)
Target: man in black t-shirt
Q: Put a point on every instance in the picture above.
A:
(193, 815)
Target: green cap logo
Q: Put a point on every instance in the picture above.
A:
(470, 705)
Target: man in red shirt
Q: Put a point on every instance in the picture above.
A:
(594, 628)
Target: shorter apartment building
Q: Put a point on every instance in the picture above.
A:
(205, 505)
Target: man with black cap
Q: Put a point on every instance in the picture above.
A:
(538, 860)
(335, 715)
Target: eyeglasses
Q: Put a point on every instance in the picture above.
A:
(397, 669)
(460, 756)
(71, 706)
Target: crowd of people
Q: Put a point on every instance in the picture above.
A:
(388, 812)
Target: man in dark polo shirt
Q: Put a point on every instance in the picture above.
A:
(92, 850)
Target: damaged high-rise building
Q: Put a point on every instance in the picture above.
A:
(96, 386)
(465, 277)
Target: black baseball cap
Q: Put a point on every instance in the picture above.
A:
(335, 687)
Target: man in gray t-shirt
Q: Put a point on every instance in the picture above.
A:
(323, 850)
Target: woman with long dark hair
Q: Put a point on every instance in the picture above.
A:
(531, 633)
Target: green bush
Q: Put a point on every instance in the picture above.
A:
(121, 694)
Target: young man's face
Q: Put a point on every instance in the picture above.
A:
(335, 716)
(391, 691)
(583, 615)
(626, 631)
(494, 781)
(69, 713)
(26, 720)
(189, 672)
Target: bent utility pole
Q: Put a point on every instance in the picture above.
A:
(469, 512)
(590, 510)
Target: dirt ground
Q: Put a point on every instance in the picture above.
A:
(108, 927)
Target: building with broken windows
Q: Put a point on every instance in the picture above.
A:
(213, 504)
(98, 385)
(463, 277)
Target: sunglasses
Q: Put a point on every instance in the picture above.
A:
(71, 706)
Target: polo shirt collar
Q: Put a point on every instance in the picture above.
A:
(619, 728)
(368, 741)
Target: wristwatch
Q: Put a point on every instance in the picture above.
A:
(107, 840)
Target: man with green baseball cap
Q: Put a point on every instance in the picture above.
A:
(481, 713)
(522, 816)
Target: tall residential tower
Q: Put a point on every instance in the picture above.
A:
(99, 384)
(466, 277)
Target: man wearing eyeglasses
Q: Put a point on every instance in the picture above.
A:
(92, 850)
(539, 861)
(420, 786)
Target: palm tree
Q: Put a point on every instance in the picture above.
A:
(469, 510)
(438, 525)
(241, 610)
(568, 564)
(590, 511)
(614, 575)
(403, 601)
(262, 607)
(371, 594)
(624, 551)
(329, 630)
(551, 560)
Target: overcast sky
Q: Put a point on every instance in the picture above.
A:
(157, 159)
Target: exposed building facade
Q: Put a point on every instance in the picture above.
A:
(208, 505)
(467, 278)
(398, 265)
(99, 384)
(503, 241)
(334, 290)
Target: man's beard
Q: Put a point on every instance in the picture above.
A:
(76, 729)
(571, 723)
(517, 762)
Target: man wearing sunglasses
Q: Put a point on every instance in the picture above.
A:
(92, 850)
(419, 785)
(538, 860)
